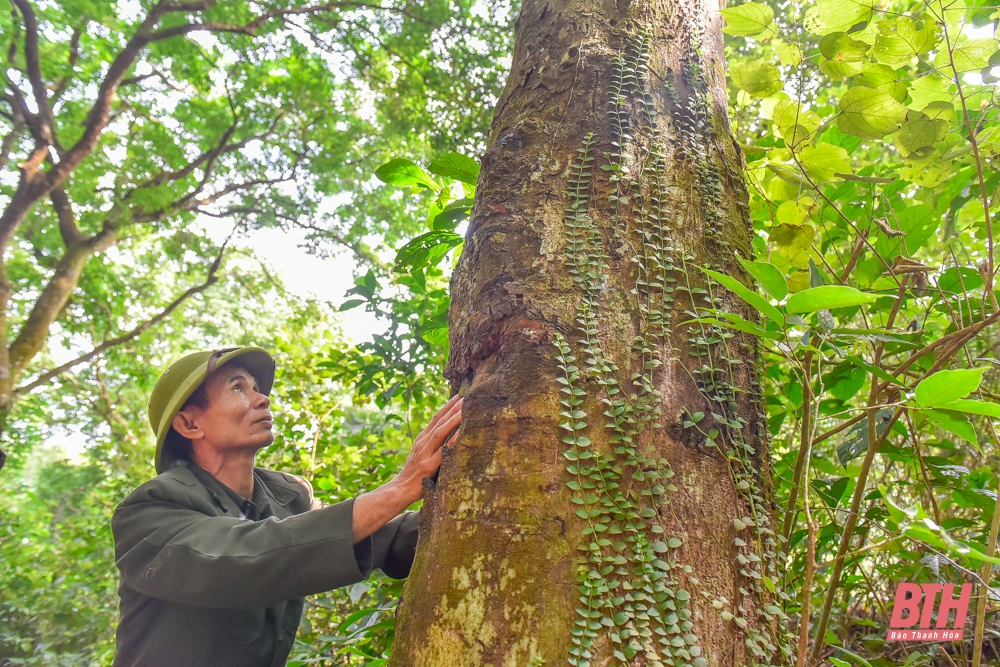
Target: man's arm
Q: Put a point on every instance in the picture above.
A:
(376, 508)
(167, 550)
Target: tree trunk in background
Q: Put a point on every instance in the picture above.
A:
(609, 500)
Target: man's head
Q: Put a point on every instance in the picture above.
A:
(212, 401)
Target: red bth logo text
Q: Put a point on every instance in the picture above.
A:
(916, 603)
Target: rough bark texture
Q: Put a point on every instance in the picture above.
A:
(495, 580)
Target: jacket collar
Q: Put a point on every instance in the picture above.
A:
(190, 474)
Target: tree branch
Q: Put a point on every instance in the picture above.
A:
(53, 299)
(48, 376)
(252, 27)
(74, 53)
(67, 220)
(190, 203)
(34, 71)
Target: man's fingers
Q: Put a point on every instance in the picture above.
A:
(444, 429)
(444, 411)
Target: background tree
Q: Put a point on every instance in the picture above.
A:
(126, 122)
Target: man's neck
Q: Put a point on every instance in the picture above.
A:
(234, 469)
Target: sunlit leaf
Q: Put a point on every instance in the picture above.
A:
(838, 15)
(747, 20)
(748, 295)
(900, 40)
(827, 297)
(457, 166)
(841, 47)
(881, 77)
(974, 407)
(953, 422)
(403, 172)
(759, 79)
(794, 212)
(824, 161)
(769, 277)
(970, 55)
(948, 386)
(919, 133)
(869, 113)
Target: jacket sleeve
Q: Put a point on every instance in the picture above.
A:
(394, 544)
(167, 550)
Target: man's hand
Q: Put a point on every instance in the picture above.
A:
(375, 509)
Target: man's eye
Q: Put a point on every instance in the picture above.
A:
(238, 388)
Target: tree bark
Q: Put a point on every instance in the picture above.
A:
(609, 499)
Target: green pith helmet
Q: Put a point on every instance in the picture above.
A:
(186, 374)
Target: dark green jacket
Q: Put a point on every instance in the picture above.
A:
(202, 586)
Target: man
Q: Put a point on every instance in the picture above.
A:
(216, 555)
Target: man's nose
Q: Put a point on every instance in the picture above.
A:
(262, 401)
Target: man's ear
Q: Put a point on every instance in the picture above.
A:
(186, 426)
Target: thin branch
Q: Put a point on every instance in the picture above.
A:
(74, 53)
(7, 145)
(252, 27)
(190, 203)
(46, 377)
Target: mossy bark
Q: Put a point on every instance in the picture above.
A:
(495, 581)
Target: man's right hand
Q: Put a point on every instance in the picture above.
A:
(375, 509)
(425, 457)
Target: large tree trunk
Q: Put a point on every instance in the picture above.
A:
(609, 500)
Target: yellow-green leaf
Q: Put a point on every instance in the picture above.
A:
(899, 40)
(838, 70)
(789, 54)
(970, 55)
(794, 212)
(824, 161)
(769, 276)
(790, 239)
(954, 422)
(747, 20)
(869, 113)
(748, 295)
(919, 134)
(930, 88)
(759, 79)
(974, 407)
(881, 77)
(838, 15)
(842, 47)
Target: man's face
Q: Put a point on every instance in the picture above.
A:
(236, 417)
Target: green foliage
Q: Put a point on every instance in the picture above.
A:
(874, 198)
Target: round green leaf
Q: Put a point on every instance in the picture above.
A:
(881, 77)
(869, 113)
(919, 133)
(900, 40)
(842, 47)
(758, 78)
(824, 161)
